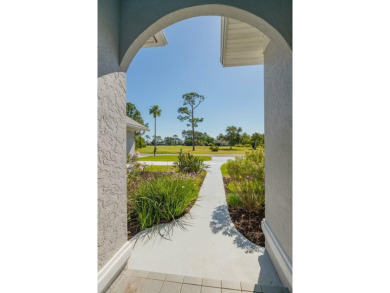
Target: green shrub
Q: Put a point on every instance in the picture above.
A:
(214, 148)
(188, 163)
(224, 170)
(248, 145)
(134, 167)
(163, 199)
(132, 158)
(232, 188)
(247, 174)
(250, 167)
(234, 200)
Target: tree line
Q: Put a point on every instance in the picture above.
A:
(233, 135)
(203, 139)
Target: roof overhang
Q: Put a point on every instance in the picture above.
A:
(158, 40)
(132, 125)
(241, 43)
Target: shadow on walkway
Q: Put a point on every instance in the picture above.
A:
(221, 222)
(162, 231)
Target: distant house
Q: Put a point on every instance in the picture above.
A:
(221, 142)
(131, 127)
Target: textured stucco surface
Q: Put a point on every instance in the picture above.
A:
(130, 142)
(278, 143)
(112, 208)
(139, 22)
(108, 36)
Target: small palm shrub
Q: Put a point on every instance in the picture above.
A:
(163, 199)
(214, 148)
(247, 179)
(188, 163)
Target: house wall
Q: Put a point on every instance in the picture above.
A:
(108, 36)
(278, 143)
(112, 204)
(112, 208)
(130, 142)
(278, 147)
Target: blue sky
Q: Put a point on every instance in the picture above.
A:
(191, 63)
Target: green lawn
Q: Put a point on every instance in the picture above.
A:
(156, 168)
(175, 149)
(224, 170)
(168, 158)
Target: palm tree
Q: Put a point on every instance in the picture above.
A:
(155, 111)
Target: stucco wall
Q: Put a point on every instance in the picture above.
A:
(112, 207)
(108, 36)
(278, 143)
(130, 142)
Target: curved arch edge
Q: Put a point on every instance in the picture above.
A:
(194, 11)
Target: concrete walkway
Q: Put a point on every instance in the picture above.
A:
(204, 243)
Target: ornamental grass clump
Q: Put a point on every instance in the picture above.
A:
(247, 180)
(163, 199)
(188, 163)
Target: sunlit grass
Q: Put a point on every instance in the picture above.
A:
(175, 149)
(157, 168)
(168, 158)
(224, 170)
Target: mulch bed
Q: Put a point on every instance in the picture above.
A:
(132, 229)
(247, 223)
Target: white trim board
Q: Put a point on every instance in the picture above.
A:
(113, 267)
(158, 40)
(277, 250)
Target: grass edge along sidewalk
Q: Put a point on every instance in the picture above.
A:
(200, 150)
(168, 158)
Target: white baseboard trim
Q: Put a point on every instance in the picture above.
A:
(113, 267)
(277, 250)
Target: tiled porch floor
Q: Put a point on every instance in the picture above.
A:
(136, 281)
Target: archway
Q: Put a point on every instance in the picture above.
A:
(131, 44)
(135, 27)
